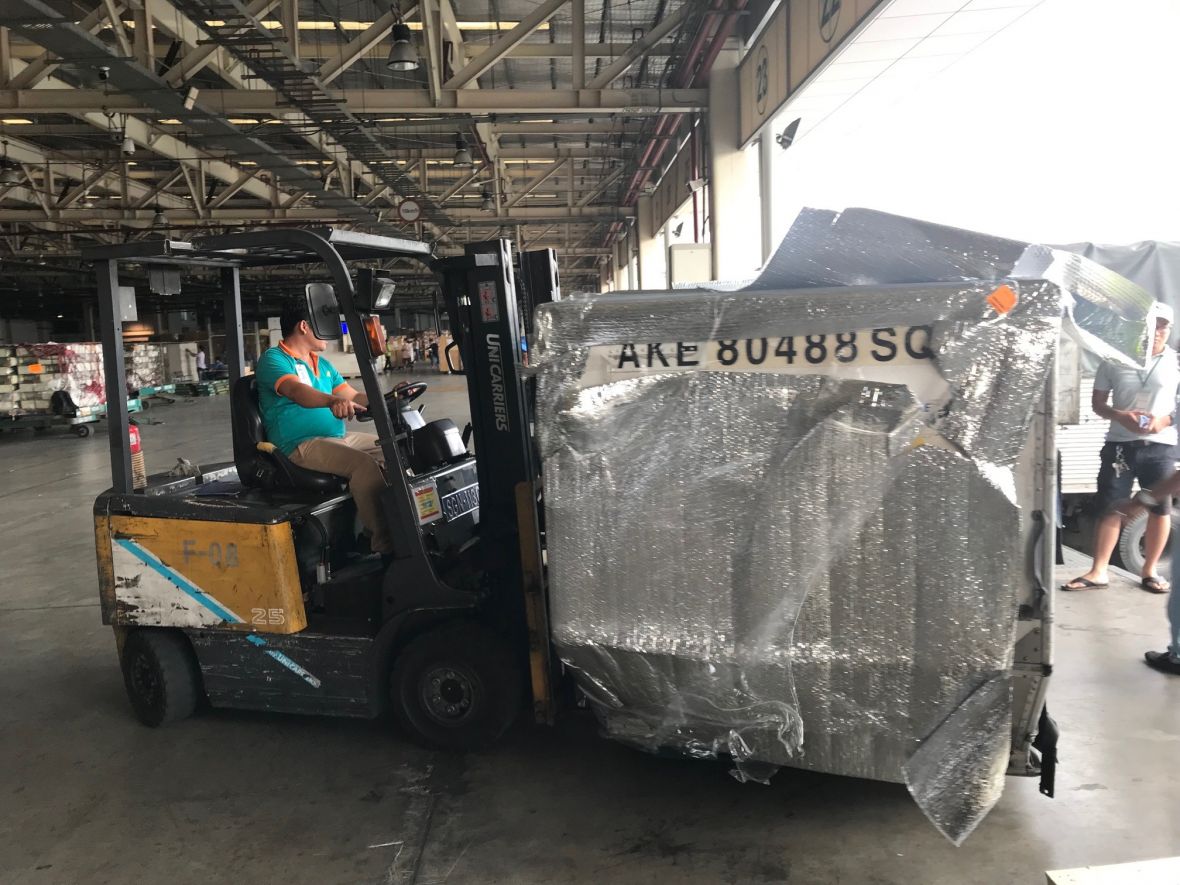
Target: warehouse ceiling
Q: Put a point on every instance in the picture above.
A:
(135, 118)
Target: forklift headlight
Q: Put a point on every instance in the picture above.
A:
(384, 297)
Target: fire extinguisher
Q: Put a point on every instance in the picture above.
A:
(138, 468)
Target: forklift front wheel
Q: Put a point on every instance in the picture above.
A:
(456, 687)
(161, 674)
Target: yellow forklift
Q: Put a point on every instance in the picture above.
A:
(247, 585)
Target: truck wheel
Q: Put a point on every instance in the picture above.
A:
(456, 687)
(1131, 543)
(161, 674)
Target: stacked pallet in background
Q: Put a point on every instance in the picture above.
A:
(75, 369)
(147, 366)
(9, 380)
(203, 388)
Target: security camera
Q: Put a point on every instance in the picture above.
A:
(104, 72)
(787, 137)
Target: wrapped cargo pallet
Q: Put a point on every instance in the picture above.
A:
(75, 369)
(805, 523)
(9, 380)
(146, 366)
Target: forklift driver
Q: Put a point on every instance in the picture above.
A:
(304, 401)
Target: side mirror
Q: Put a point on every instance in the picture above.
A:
(323, 312)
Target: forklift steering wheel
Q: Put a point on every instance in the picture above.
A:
(407, 391)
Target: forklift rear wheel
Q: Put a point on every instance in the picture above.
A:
(456, 687)
(161, 675)
(81, 430)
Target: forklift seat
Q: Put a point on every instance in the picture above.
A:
(260, 464)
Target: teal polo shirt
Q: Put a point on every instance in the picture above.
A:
(287, 423)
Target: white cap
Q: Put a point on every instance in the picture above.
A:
(1164, 312)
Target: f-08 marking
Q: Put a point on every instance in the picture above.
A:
(886, 345)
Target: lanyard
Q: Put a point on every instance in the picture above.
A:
(1143, 381)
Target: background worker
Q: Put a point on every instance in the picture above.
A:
(1165, 661)
(390, 356)
(1140, 445)
(304, 401)
(202, 361)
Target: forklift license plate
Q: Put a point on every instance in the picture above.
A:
(461, 502)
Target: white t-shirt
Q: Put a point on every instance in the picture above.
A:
(201, 360)
(1151, 390)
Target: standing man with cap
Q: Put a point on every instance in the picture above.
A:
(1140, 445)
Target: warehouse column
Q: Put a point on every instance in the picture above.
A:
(653, 263)
(735, 222)
(632, 259)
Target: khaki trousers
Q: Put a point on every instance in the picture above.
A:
(358, 458)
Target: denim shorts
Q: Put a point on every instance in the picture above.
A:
(1150, 463)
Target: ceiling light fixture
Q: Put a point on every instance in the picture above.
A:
(273, 24)
(402, 55)
(462, 154)
(487, 200)
(159, 219)
(8, 173)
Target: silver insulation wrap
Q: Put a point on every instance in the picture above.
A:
(1105, 312)
(793, 568)
(784, 524)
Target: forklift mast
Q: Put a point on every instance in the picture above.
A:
(484, 306)
(481, 298)
(538, 283)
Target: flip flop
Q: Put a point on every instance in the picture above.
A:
(1084, 584)
(1155, 584)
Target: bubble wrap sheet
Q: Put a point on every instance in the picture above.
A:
(1105, 312)
(804, 567)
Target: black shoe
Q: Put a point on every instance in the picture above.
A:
(1162, 661)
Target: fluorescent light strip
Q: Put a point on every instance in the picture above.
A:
(275, 25)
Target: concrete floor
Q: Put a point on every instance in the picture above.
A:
(90, 796)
